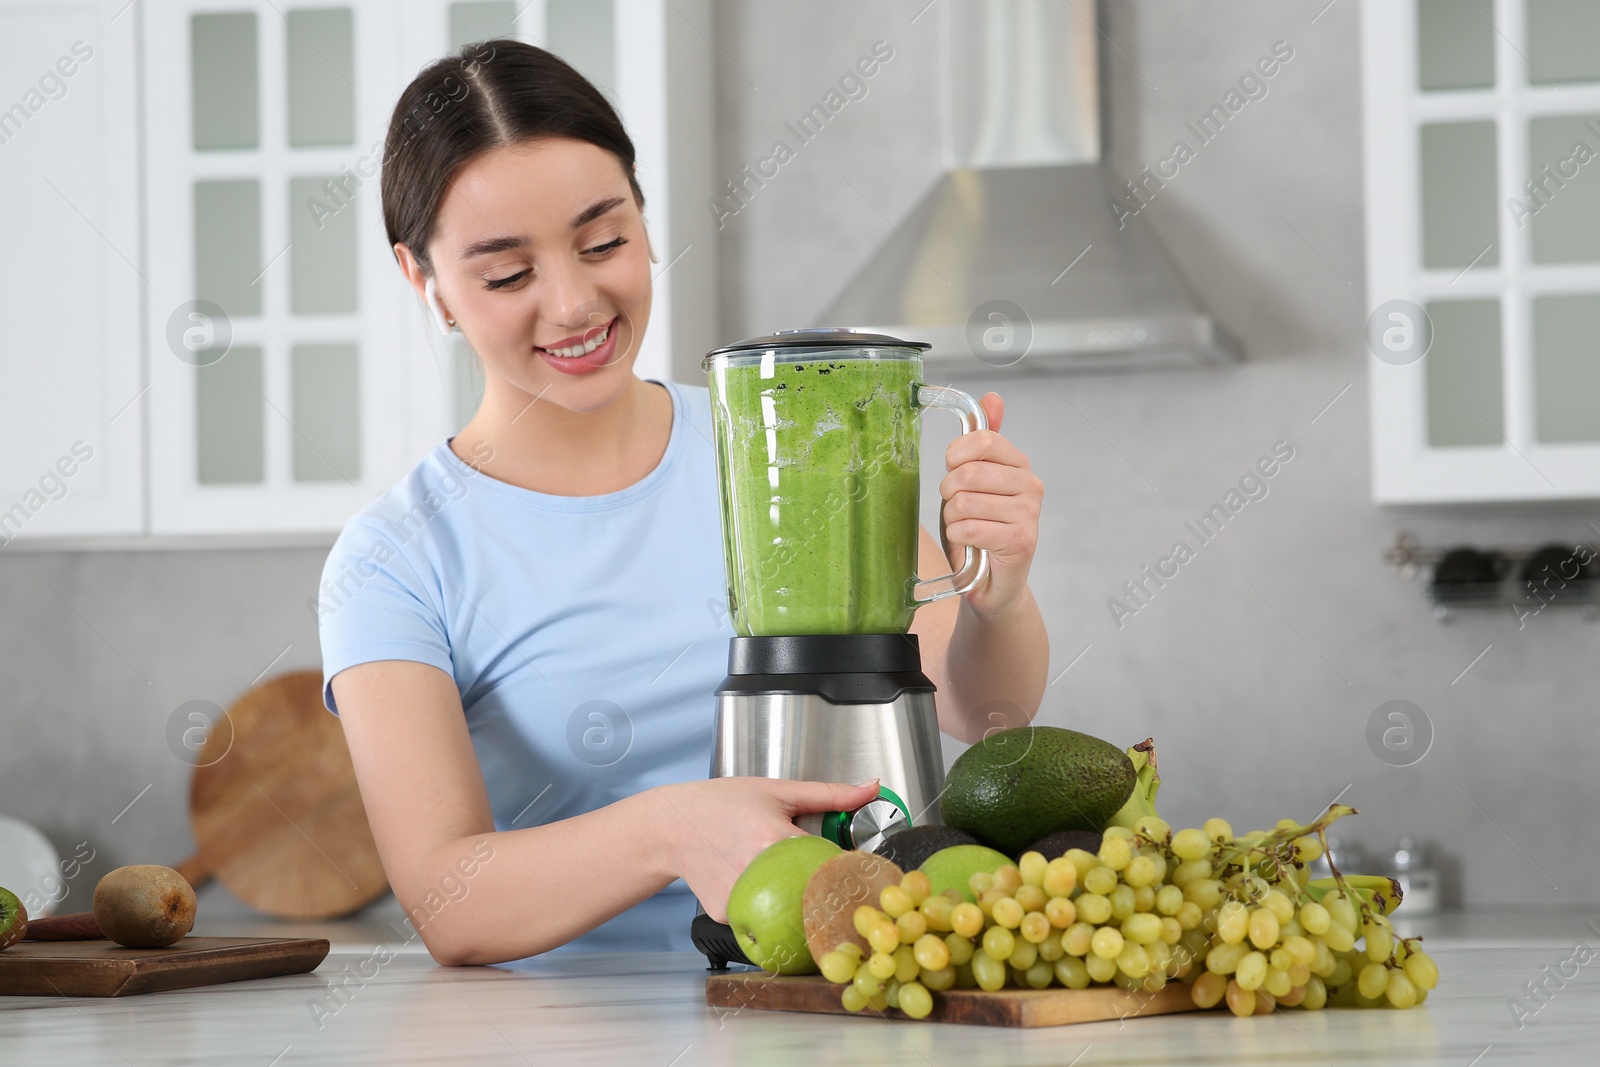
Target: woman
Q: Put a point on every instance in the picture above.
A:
(522, 637)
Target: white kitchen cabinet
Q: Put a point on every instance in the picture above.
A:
(215, 165)
(71, 414)
(1482, 139)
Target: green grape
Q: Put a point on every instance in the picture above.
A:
(1341, 912)
(1078, 938)
(1152, 828)
(1341, 974)
(1008, 913)
(866, 917)
(1204, 892)
(1008, 877)
(1316, 995)
(837, 967)
(1144, 898)
(1121, 833)
(1032, 866)
(1224, 957)
(891, 992)
(852, 999)
(1071, 972)
(966, 919)
(979, 881)
(1278, 903)
(1160, 954)
(1400, 991)
(867, 982)
(1060, 877)
(884, 937)
(915, 1000)
(1083, 862)
(1101, 880)
(1107, 942)
(960, 948)
(1241, 1001)
(989, 971)
(905, 962)
(1252, 971)
(1307, 849)
(912, 925)
(1279, 957)
(1277, 982)
(1208, 990)
(895, 901)
(1101, 969)
(936, 911)
(1299, 973)
(850, 948)
(1116, 852)
(1171, 930)
(1032, 898)
(1122, 902)
(1191, 844)
(939, 980)
(1039, 975)
(1300, 949)
(1050, 949)
(1189, 915)
(1142, 871)
(1035, 927)
(1093, 908)
(1233, 921)
(1169, 898)
(1373, 981)
(1060, 912)
(1133, 960)
(1422, 971)
(1141, 928)
(1380, 941)
(1314, 917)
(880, 965)
(1217, 830)
(998, 943)
(916, 883)
(1263, 926)
(1338, 938)
(1190, 871)
(1025, 955)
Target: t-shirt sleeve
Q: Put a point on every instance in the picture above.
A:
(371, 605)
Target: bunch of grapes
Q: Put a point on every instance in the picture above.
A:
(1230, 917)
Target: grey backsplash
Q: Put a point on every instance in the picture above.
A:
(1256, 668)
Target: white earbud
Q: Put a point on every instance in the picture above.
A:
(432, 297)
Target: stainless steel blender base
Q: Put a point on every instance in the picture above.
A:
(805, 737)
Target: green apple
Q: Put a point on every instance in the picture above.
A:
(949, 868)
(764, 908)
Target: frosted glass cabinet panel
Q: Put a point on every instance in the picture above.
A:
(224, 85)
(481, 20)
(1481, 125)
(321, 76)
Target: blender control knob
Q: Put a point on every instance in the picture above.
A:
(871, 824)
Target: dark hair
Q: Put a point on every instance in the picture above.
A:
(490, 93)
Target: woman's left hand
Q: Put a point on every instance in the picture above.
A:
(991, 501)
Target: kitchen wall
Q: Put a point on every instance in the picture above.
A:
(1259, 665)
(1256, 669)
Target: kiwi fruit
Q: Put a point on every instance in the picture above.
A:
(13, 919)
(835, 890)
(144, 906)
(911, 846)
(1058, 843)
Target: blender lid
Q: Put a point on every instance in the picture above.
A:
(819, 337)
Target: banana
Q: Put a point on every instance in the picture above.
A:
(1382, 892)
(1141, 801)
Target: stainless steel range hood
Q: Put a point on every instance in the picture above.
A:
(1019, 244)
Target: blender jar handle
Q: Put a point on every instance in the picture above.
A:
(975, 568)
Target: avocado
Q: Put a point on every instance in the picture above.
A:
(1059, 843)
(908, 848)
(1019, 785)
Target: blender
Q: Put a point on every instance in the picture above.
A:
(817, 436)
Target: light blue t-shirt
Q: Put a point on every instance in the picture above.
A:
(586, 634)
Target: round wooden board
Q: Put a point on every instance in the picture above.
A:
(276, 812)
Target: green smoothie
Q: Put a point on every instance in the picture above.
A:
(818, 464)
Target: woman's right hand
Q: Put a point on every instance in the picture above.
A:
(717, 826)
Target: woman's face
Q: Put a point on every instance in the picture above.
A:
(540, 255)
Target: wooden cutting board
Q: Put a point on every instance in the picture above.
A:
(1003, 1007)
(105, 969)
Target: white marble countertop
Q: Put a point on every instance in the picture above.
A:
(395, 1006)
